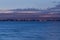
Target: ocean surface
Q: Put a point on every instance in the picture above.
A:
(29, 30)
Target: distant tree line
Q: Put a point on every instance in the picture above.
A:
(28, 9)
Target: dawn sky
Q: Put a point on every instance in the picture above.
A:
(7, 4)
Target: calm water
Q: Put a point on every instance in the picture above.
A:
(20, 30)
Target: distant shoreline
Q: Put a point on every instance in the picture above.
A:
(26, 20)
(29, 17)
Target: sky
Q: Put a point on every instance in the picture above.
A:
(40, 4)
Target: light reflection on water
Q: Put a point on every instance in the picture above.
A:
(19, 30)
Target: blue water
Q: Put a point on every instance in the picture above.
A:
(33, 30)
